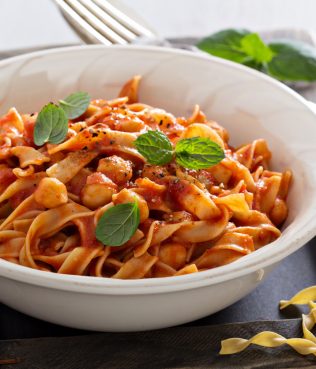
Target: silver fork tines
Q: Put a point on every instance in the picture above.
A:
(101, 22)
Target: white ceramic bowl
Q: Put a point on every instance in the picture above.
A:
(248, 103)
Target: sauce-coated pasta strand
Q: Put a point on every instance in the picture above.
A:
(57, 186)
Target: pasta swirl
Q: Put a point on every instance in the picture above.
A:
(304, 346)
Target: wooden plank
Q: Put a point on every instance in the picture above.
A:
(180, 347)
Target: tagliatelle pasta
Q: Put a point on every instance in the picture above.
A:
(53, 196)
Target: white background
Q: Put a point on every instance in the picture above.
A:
(37, 23)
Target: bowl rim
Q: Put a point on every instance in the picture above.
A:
(98, 285)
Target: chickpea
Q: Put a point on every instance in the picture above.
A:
(173, 254)
(117, 169)
(51, 193)
(126, 195)
(279, 212)
(202, 130)
(97, 191)
(154, 172)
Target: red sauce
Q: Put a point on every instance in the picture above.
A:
(29, 124)
(151, 196)
(100, 178)
(87, 231)
(20, 196)
(176, 191)
(77, 183)
(6, 177)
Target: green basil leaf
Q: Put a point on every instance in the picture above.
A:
(198, 153)
(51, 125)
(118, 224)
(75, 104)
(226, 44)
(251, 63)
(253, 46)
(293, 61)
(155, 147)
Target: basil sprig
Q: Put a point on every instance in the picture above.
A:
(51, 125)
(226, 44)
(52, 121)
(293, 61)
(191, 153)
(118, 224)
(286, 60)
(238, 45)
(155, 147)
(75, 104)
(256, 49)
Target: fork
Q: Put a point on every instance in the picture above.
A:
(100, 22)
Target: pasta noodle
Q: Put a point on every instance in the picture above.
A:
(304, 346)
(52, 196)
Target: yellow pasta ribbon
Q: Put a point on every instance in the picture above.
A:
(267, 339)
(308, 322)
(304, 346)
(301, 298)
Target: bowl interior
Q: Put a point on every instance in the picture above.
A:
(247, 103)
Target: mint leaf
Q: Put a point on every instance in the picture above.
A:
(191, 153)
(293, 61)
(51, 125)
(198, 153)
(155, 147)
(118, 224)
(226, 44)
(254, 47)
(75, 104)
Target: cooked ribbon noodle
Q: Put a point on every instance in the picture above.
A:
(52, 197)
